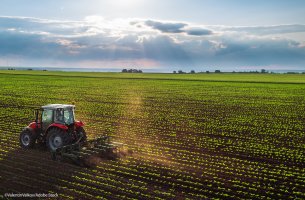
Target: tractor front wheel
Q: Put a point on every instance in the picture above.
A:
(27, 139)
(57, 138)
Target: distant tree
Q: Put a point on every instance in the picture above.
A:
(124, 70)
(180, 72)
(217, 71)
(174, 72)
(140, 71)
(207, 72)
(192, 72)
(263, 71)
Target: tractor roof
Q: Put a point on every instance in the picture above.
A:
(55, 106)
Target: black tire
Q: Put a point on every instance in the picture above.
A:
(56, 138)
(81, 132)
(27, 139)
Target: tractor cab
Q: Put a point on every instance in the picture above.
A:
(55, 114)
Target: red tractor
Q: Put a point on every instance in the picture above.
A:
(55, 126)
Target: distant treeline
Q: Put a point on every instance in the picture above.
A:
(132, 71)
(29, 69)
(263, 71)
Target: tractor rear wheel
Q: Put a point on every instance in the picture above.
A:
(27, 139)
(57, 138)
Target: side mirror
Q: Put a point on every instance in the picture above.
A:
(36, 116)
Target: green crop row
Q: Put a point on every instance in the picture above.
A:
(233, 136)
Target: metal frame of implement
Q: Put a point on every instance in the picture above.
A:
(77, 152)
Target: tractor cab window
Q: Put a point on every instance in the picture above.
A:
(64, 116)
(68, 116)
(47, 116)
(59, 116)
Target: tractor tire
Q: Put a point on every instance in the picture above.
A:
(27, 139)
(57, 138)
(81, 131)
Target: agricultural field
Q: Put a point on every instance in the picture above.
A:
(200, 136)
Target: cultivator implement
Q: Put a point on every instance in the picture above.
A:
(84, 154)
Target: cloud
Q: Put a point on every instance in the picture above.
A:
(27, 44)
(150, 43)
(163, 48)
(261, 51)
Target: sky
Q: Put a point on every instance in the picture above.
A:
(155, 35)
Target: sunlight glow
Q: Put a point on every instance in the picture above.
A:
(125, 3)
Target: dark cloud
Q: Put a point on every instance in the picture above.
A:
(170, 27)
(166, 27)
(198, 31)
